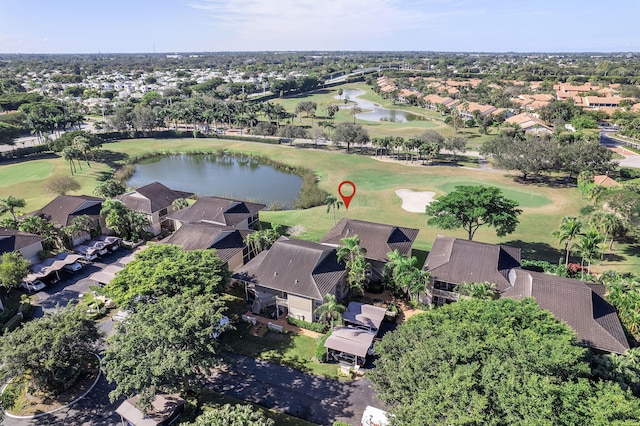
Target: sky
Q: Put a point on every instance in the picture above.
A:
(143, 26)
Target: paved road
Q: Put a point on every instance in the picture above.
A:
(313, 398)
(610, 142)
(72, 285)
(316, 399)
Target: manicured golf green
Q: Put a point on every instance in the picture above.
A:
(12, 174)
(376, 179)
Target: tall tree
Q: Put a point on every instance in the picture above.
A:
(168, 270)
(232, 415)
(10, 204)
(498, 362)
(55, 350)
(609, 225)
(471, 207)
(587, 246)
(401, 274)
(13, 269)
(358, 268)
(570, 228)
(164, 346)
(110, 188)
(334, 204)
(127, 223)
(350, 134)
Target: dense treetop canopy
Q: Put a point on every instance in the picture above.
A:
(470, 207)
(493, 363)
(168, 270)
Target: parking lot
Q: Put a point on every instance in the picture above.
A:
(73, 284)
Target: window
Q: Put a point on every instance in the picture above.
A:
(442, 285)
(163, 212)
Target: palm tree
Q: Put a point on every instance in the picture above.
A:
(609, 224)
(330, 311)
(587, 247)
(569, 229)
(10, 204)
(482, 290)
(69, 154)
(179, 203)
(358, 269)
(333, 203)
(81, 144)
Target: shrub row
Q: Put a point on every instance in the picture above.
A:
(313, 326)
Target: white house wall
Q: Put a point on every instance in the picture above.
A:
(300, 307)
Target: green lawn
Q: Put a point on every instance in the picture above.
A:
(293, 350)
(28, 179)
(434, 120)
(376, 179)
(14, 173)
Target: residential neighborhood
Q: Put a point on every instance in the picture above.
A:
(486, 256)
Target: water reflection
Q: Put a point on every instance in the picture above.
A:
(239, 177)
(373, 111)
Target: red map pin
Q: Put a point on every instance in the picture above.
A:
(347, 198)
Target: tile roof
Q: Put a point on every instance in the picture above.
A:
(579, 304)
(14, 240)
(227, 241)
(604, 180)
(526, 121)
(223, 211)
(376, 238)
(457, 261)
(152, 197)
(62, 209)
(299, 267)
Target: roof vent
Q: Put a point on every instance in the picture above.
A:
(275, 273)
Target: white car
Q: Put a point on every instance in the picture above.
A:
(73, 267)
(33, 286)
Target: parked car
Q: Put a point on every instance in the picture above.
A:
(223, 322)
(373, 416)
(73, 267)
(33, 286)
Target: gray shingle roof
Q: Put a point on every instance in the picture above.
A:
(376, 238)
(297, 267)
(577, 303)
(227, 241)
(219, 210)
(456, 261)
(62, 209)
(152, 197)
(13, 240)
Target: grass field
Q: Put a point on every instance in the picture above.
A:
(434, 120)
(376, 180)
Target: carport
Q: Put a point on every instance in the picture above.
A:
(349, 344)
(106, 275)
(53, 264)
(364, 315)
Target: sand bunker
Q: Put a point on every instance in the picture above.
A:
(415, 202)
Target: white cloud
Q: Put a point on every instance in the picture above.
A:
(309, 24)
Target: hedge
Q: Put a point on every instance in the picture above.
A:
(313, 326)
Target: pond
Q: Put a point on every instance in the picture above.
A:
(373, 111)
(240, 177)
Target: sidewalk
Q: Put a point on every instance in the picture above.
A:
(261, 326)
